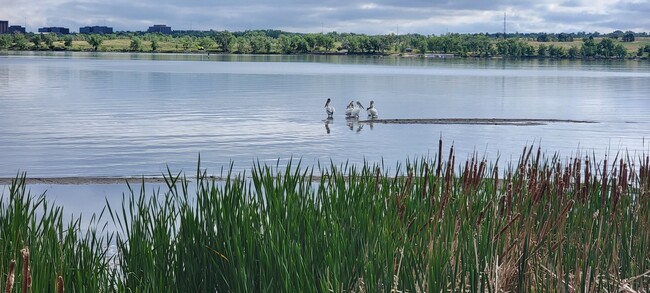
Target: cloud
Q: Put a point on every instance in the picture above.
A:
(359, 16)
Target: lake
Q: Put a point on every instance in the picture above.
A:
(116, 114)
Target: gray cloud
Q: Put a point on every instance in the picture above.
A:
(371, 17)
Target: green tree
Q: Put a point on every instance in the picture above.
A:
(20, 42)
(206, 43)
(628, 37)
(187, 42)
(543, 37)
(95, 41)
(589, 47)
(136, 44)
(556, 51)
(242, 45)
(5, 41)
(36, 39)
(260, 44)
(606, 47)
(541, 50)
(226, 40)
(619, 51)
(573, 52)
(154, 44)
(300, 44)
(286, 45)
(49, 39)
(67, 41)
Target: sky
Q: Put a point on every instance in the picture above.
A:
(356, 16)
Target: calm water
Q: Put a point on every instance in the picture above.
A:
(129, 115)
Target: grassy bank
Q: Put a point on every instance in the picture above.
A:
(545, 224)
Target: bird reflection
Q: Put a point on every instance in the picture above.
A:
(353, 123)
(327, 124)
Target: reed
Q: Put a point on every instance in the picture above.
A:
(543, 224)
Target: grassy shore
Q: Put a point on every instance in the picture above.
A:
(544, 224)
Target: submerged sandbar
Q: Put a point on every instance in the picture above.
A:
(476, 121)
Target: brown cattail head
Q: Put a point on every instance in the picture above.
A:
(59, 284)
(27, 276)
(10, 277)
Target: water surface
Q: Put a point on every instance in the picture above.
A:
(107, 114)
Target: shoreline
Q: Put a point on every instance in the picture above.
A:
(81, 180)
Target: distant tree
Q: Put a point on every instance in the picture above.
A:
(260, 44)
(300, 44)
(49, 39)
(573, 52)
(136, 44)
(67, 41)
(20, 42)
(95, 41)
(543, 37)
(556, 51)
(564, 37)
(206, 43)
(628, 37)
(616, 34)
(242, 45)
(422, 45)
(154, 44)
(36, 39)
(589, 47)
(226, 40)
(286, 45)
(187, 42)
(619, 51)
(606, 47)
(5, 41)
(541, 50)
(328, 43)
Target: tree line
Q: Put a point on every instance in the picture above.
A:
(279, 42)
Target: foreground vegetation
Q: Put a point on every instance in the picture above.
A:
(544, 224)
(541, 45)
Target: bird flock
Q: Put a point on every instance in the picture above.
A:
(352, 110)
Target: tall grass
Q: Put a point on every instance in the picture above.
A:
(544, 224)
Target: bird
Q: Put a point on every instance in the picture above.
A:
(372, 111)
(329, 109)
(349, 109)
(352, 111)
(357, 109)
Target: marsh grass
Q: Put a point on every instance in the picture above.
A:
(544, 224)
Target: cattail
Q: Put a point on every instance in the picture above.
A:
(59, 284)
(439, 158)
(426, 180)
(27, 276)
(603, 191)
(10, 278)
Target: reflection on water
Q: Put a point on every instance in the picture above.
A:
(96, 114)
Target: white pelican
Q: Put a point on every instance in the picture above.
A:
(349, 109)
(372, 111)
(329, 109)
(356, 110)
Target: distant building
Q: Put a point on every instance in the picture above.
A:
(160, 28)
(15, 29)
(95, 30)
(4, 25)
(56, 30)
